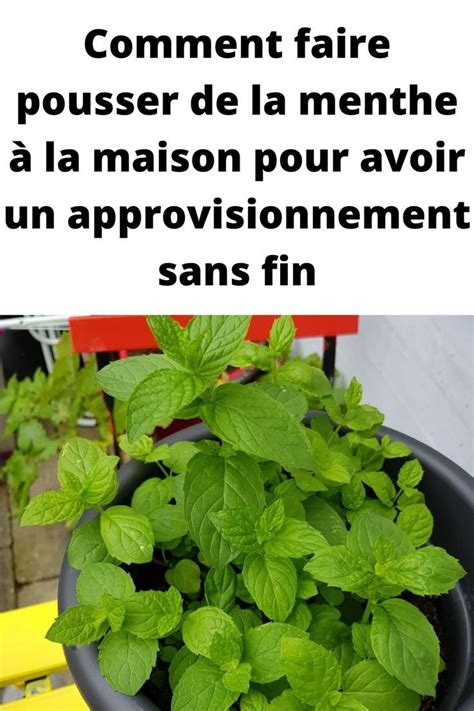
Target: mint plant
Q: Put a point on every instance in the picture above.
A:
(42, 413)
(283, 551)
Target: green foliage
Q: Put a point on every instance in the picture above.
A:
(286, 547)
(42, 413)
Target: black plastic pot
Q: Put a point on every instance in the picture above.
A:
(449, 494)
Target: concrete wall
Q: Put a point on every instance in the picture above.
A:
(419, 371)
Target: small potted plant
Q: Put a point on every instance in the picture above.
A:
(267, 559)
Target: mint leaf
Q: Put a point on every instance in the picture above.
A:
(381, 485)
(220, 586)
(272, 582)
(121, 377)
(262, 650)
(83, 467)
(151, 495)
(127, 661)
(295, 539)
(153, 614)
(294, 400)
(212, 633)
(115, 611)
(417, 522)
(353, 394)
(127, 535)
(300, 615)
(159, 397)
(394, 450)
(426, 571)
(369, 683)
(170, 337)
(212, 484)
(312, 670)
(185, 576)
(339, 567)
(253, 701)
(271, 521)
(202, 687)
(237, 527)
(99, 578)
(361, 640)
(238, 679)
(182, 660)
(255, 423)
(80, 624)
(168, 523)
(282, 335)
(53, 507)
(213, 340)
(312, 381)
(86, 546)
(288, 701)
(140, 449)
(410, 475)
(363, 418)
(406, 645)
(322, 516)
(367, 528)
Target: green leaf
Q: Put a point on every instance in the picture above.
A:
(292, 398)
(262, 649)
(78, 625)
(52, 507)
(86, 546)
(271, 521)
(367, 528)
(213, 340)
(312, 381)
(170, 337)
(159, 397)
(185, 576)
(182, 660)
(326, 628)
(84, 467)
(127, 661)
(381, 484)
(361, 640)
(202, 687)
(153, 614)
(406, 645)
(32, 439)
(345, 703)
(238, 679)
(168, 523)
(426, 571)
(140, 449)
(322, 516)
(417, 522)
(253, 701)
(300, 615)
(282, 335)
(237, 527)
(212, 484)
(249, 353)
(255, 423)
(151, 495)
(312, 670)
(394, 450)
(127, 535)
(363, 417)
(410, 475)
(353, 394)
(212, 633)
(288, 701)
(179, 455)
(115, 610)
(295, 539)
(339, 567)
(245, 619)
(99, 578)
(220, 586)
(121, 377)
(272, 582)
(369, 683)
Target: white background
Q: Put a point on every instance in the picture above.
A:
(402, 271)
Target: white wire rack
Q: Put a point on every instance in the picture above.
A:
(47, 331)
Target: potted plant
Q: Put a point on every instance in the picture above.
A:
(268, 559)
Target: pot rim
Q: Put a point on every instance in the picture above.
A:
(82, 661)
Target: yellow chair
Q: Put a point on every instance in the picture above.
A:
(27, 659)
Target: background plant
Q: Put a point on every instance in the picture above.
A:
(283, 551)
(42, 413)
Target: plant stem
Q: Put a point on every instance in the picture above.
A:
(334, 434)
(367, 612)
